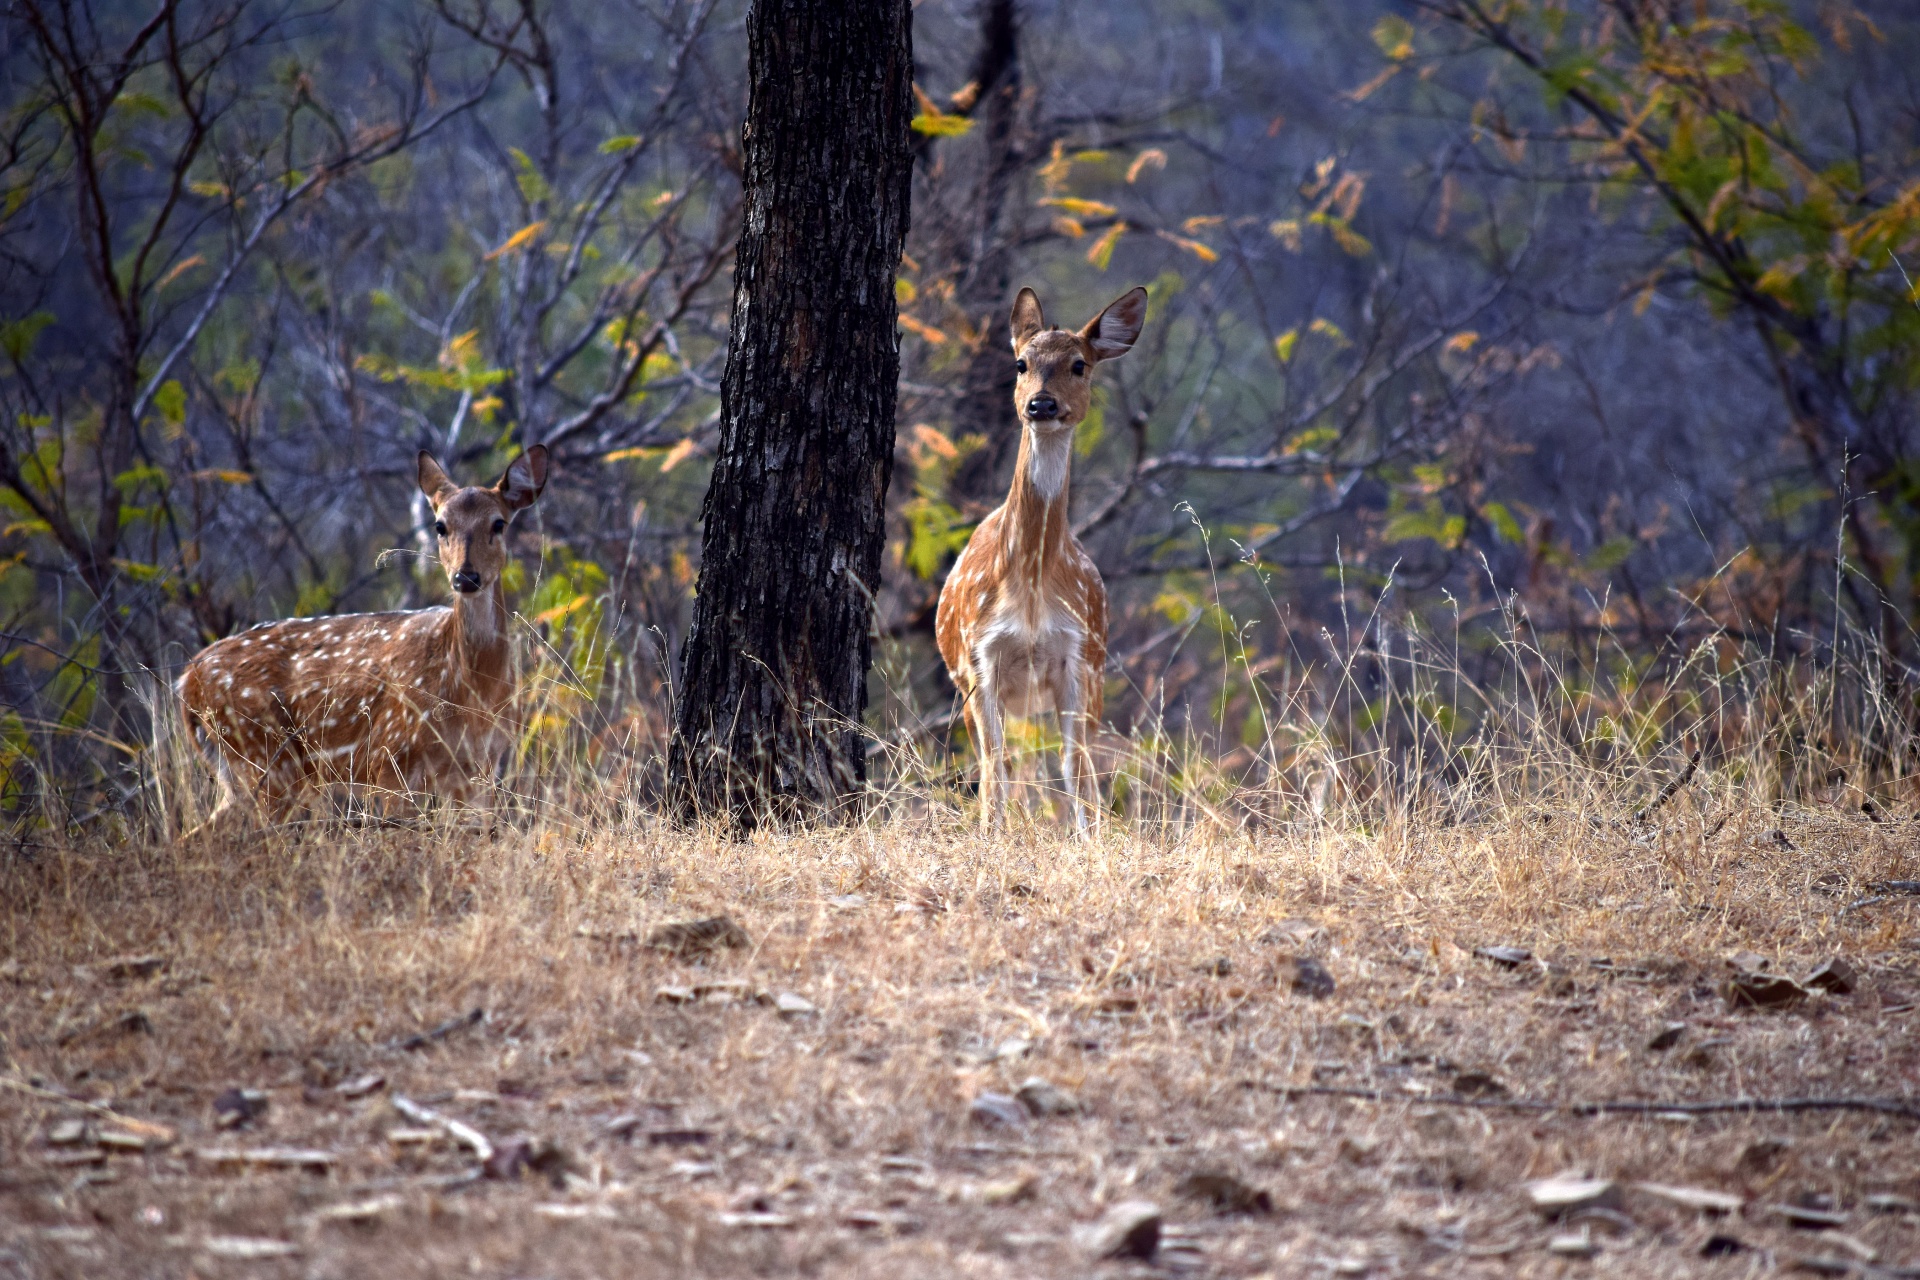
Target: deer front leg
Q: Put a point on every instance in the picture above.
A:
(990, 742)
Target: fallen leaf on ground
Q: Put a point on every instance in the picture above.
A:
(1753, 990)
(1834, 975)
(129, 967)
(268, 1157)
(997, 1110)
(236, 1107)
(1044, 1098)
(1130, 1229)
(249, 1248)
(1311, 979)
(1666, 1037)
(1477, 1084)
(1806, 1217)
(1557, 1197)
(693, 937)
(1225, 1192)
(360, 1086)
(359, 1210)
(1702, 1199)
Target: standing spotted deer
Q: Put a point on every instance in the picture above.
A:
(1022, 621)
(413, 702)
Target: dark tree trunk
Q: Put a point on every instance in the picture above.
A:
(768, 723)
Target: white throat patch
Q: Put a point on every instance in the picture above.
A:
(1047, 461)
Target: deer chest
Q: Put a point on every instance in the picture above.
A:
(1029, 653)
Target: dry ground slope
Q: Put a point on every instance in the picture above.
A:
(283, 1076)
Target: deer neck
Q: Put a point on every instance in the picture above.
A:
(1036, 522)
(477, 635)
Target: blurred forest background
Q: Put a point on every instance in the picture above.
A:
(1580, 325)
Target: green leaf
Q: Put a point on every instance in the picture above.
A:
(18, 336)
(171, 401)
(614, 146)
(532, 185)
(1394, 35)
(1502, 520)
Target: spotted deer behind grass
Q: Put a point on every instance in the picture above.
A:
(1022, 618)
(412, 704)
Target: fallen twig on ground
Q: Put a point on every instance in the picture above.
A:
(146, 1128)
(1882, 1106)
(465, 1134)
(420, 1039)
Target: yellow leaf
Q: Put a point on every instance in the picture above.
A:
(1069, 227)
(1201, 223)
(1102, 251)
(1349, 240)
(195, 261)
(1058, 165)
(519, 239)
(1367, 90)
(1287, 232)
(623, 455)
(224, 476)
(1081, 208)
(904, 290)
(1153, 158)
(926, 331)
(1284, 344)
(938, 124)
(1328, 329)
(1775, 279)
(676, 455)
(1194, 247)
(1462, 341)
(1321, 172)
(935, 439)
(662, 200)
(560, 611)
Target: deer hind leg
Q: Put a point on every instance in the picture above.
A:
(1076, 763)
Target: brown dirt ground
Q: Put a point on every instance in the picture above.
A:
(1151, 977)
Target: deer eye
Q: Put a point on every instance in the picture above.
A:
(1020, 366)
(1079, 368)
(440, 527)
(499, 527)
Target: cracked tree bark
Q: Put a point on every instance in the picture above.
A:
(774, 686)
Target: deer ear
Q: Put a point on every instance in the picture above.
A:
(1027, 319)
(433, 481)
(526, 477)
(1111, 334)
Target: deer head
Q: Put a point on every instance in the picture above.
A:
(1055, 366)
(471, 523)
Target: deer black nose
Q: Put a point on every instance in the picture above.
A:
(1042, 407)
(466, 582)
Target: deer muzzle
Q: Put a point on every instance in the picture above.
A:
(1043, 408)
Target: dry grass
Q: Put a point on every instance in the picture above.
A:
(295, 960)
